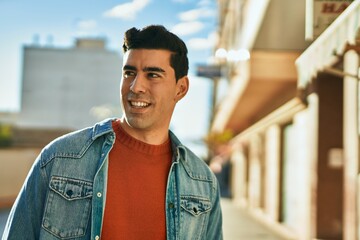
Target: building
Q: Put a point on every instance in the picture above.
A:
(69, 88)
(63, 89)
(292, 107)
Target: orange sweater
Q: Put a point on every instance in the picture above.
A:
(136, 188)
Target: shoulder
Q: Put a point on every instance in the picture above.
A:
(195, 166)
(76, 143)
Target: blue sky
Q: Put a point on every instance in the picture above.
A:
(60, 22)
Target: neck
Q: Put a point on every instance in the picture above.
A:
(147, 136)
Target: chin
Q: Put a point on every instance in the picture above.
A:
(137, 123)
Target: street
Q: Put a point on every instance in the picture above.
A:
(238, 225)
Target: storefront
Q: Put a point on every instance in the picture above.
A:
(295, 154)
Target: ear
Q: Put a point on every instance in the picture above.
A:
(182, 87)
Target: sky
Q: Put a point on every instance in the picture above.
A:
(59, 22)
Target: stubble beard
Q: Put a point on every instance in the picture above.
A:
(137, 122)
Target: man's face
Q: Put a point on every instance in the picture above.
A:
(149, 91)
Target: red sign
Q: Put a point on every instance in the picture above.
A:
(325, 12)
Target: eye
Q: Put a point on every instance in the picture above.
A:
(153, 75)
(128, 74)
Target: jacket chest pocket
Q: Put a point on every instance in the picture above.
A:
(194, 216)
(68, 207)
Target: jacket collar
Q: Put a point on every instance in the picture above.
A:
(194, 168)
(104, 127)
(179, 150)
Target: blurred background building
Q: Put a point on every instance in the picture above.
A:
(63, 89)
(291, 114)
(69, 88)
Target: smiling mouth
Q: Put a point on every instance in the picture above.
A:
(137, 104)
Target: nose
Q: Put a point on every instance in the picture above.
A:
(138, 84)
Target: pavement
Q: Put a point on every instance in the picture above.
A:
(236, 224)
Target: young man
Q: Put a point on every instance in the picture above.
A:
(127, 178)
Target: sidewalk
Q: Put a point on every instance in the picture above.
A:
(237, 225)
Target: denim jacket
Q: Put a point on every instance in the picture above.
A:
(64, 194)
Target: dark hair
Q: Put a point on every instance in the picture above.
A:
(158, 37)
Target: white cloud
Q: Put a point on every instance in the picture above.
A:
(199, 43)
(187, 28)
(202, 43)
(180, 1)
(195, 14)
(190, 23)
(127, 11)
(86, 25)
(200, 3)
(205, 3)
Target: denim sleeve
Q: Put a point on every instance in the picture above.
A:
(214, 231)
(26, 214)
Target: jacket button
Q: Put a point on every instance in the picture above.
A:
(97, 238)
(69, 193)
(99, 194)
(171, 205)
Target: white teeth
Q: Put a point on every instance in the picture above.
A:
(139, 104)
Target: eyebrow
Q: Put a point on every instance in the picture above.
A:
(145, 69)
(153, 69)
(128, 67)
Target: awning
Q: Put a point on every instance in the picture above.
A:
(264, 83)
(324, 50)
